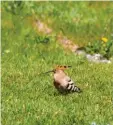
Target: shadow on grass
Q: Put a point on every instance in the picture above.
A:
(66, 93)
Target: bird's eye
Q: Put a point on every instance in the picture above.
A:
(54, 70)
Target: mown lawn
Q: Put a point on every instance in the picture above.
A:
(29, 97)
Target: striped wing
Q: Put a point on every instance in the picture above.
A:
(70, 85)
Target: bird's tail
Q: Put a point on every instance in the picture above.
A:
(76, 89)
(73, 88)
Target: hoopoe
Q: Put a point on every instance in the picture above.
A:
(62, 82)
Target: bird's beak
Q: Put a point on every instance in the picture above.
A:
(49, 71)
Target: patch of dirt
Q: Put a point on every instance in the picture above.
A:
(41, 27)
(67, 43)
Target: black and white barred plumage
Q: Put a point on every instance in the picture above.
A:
(71, 87)
(63, 83)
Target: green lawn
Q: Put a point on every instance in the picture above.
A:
(29, 97)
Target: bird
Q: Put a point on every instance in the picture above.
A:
(62, 82)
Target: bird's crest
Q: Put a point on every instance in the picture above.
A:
(58, 68)
(61, 67)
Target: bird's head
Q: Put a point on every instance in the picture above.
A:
(57, 68)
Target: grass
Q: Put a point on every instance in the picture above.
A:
(29, 97)
(82, 22)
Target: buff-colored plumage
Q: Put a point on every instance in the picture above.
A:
(62, 82)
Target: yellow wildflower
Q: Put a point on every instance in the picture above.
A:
(104, 39)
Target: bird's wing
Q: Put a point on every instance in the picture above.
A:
(68, 79)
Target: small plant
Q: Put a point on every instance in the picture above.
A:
(41, 39)
(14, 6)
(103, 46)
